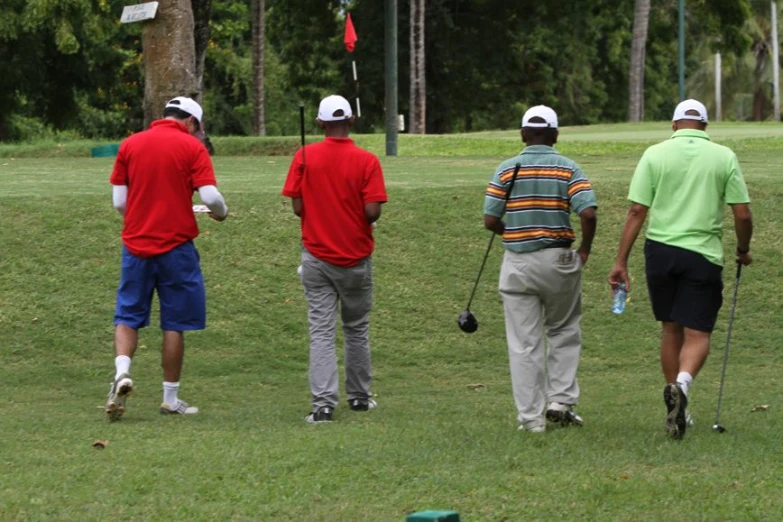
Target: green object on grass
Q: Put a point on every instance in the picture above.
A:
(105, 151)
(433, 516)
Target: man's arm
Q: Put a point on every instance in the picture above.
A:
(589, 224)
(119, 198)
(633, 224)
(213, 199)
(743, 226)
(495, 224)
(293, 184)
(298, 206)
(372, 211)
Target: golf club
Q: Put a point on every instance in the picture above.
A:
(302, 131)
(467, 321)
(717, 428)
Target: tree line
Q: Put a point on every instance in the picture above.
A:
(69, 68)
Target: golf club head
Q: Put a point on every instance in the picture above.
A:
(717, 428)
(467, 322)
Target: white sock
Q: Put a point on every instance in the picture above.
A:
(684, 379)
(170, 393)
(122, 365)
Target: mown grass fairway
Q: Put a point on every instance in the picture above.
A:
(434, 442)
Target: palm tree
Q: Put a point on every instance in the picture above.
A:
(641, 20)
(258, 24)
(418, 84)
(747, 78)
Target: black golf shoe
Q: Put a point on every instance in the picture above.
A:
(676, 417)
(323, 414)
(362, 404)
(563, 414)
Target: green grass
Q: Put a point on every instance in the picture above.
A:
(433, 443)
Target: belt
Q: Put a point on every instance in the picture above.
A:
(559, 244)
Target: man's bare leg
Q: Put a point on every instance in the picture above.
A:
(694, 352)
(171, 359)
(125, 342)
(172, 355)
(672, 339)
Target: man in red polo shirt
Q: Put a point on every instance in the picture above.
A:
(337, 190)
(154, 177)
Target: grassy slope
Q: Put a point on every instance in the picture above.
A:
(433, 443)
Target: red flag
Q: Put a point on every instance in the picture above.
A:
(350, 35)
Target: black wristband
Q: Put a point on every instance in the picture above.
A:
(740, 251)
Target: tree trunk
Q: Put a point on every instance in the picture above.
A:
(202, 12)
(761, 52)
(641, 20)
(258, 23)
(418, 85)
(169, 57)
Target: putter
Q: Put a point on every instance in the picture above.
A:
(717, 427)
(467, 321)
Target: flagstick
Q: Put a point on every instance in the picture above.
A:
(350, 41)
(356, 80)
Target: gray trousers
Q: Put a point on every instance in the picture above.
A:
(542, 295)
(324, 285)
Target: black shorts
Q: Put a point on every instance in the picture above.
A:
(684, 287)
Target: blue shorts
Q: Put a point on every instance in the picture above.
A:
(176, 275)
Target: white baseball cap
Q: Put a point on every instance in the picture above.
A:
(188, 105)
(690, 105)
(540, 111)
(331, 105)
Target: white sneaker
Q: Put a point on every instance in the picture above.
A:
(181, 408)
(541, 428)
(118, 394)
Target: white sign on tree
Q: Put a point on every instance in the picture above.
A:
(138, 12)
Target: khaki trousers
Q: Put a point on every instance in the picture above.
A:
(542, 296)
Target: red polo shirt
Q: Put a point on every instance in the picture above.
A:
(161, 166)
(339, 178)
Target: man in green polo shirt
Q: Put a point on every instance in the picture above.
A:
(541, 276)
(684, 184)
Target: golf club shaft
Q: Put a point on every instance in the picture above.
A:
(728, 342)
(478, 277)
(492, 238)
(302, 131)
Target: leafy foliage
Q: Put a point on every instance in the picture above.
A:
(70, 65)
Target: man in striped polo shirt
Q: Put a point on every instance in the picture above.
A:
(541, 276)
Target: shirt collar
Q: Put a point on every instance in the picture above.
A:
(169, 123)
(691, 133)
(339, 140)
(539, 149)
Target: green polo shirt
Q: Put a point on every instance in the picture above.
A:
(686, 182)
(548, 186)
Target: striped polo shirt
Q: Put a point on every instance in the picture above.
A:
(548, 186)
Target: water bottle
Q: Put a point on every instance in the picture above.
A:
(620, 296)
